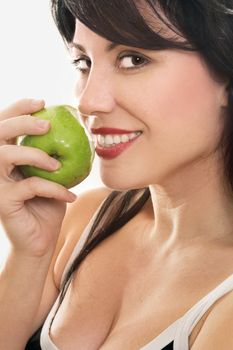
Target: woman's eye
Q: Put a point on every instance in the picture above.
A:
(82, 64)
(126, 62)
(132, 61)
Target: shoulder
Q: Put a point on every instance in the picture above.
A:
(217, 331)
(81, 211)
(77, 217)
(86, 204)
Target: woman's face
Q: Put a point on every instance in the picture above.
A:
(168, 95)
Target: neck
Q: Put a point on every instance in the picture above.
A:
(193, 205)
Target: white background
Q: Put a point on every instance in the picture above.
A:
(35, 64)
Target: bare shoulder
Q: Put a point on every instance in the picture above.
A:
(76, 219)
(81, 211)
(217, 330)
(85, 205)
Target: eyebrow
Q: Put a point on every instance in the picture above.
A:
(109, 47)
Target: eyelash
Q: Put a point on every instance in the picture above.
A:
(76, 62)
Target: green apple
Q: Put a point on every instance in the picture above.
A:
(67, 141)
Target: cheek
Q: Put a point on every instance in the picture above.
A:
(183, 103)
(79, 86)
(188, 100)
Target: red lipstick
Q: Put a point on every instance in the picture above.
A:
(114, 151)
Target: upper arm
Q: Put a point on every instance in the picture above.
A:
(217, 331)
(77, 217)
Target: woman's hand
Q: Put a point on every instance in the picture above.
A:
(32, 209)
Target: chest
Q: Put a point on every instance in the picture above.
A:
(148, 307)
(120, 299)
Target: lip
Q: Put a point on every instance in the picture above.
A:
(113, 151)
(110, 131)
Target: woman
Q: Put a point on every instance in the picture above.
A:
(153, 268)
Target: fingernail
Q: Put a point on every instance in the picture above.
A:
(55, 164)
(37, 103)
(42, 123)
(72, 196)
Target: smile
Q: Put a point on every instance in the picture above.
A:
(106, 147)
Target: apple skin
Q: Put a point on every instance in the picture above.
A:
(67, 141)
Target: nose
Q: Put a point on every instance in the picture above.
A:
(95, 96)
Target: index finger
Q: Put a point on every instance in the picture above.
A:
(21, 107)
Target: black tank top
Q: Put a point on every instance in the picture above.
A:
(34, 342)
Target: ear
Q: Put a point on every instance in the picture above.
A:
(225, 93)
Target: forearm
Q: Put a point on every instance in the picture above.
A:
(21, 286)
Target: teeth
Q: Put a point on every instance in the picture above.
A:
(132, 135)
(124, 138)
(116, 139)
(111, 140)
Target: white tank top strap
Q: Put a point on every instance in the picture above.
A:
(193, 316)
(163, 339)
(180, 330)
(45, 340)
(80, 243)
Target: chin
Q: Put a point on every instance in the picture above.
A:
(121, 184)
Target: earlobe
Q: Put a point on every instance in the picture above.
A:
(228, 89)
